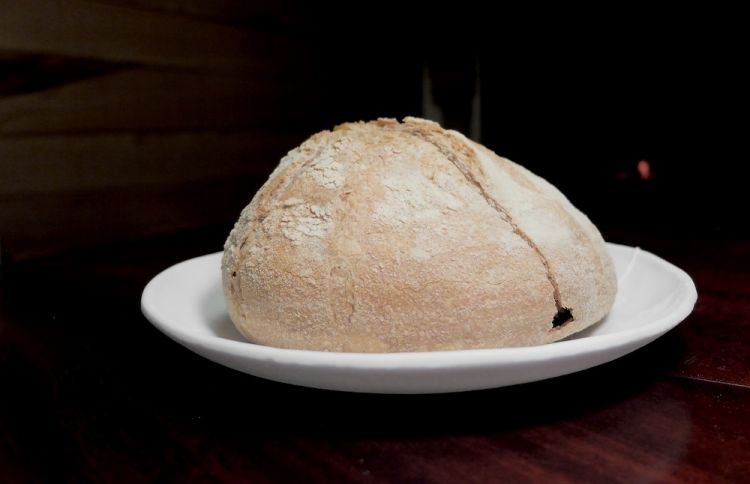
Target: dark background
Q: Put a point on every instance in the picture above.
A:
(120, 119)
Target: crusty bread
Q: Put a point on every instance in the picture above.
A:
(387, 236)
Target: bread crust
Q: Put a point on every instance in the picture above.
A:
(388, 237)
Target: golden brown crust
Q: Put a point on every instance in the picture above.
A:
(388, 236)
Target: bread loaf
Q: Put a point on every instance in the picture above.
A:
(392, 236)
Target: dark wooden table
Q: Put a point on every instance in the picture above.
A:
(92, 392)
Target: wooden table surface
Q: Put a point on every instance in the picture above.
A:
(92, 392)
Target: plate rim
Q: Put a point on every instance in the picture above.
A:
(426, 359)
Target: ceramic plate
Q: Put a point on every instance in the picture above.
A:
(186, 303)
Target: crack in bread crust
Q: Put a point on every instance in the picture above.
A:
(450, 152)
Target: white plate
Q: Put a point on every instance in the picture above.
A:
(186, 303)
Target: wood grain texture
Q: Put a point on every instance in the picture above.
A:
(103, 31)
(50, 222)
(63, 191)
(48, 164)
(101, 395)
(108, 130)
(142, 100)
(278, 15)
(26, 73)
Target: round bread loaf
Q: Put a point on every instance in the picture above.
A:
(388, 237)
